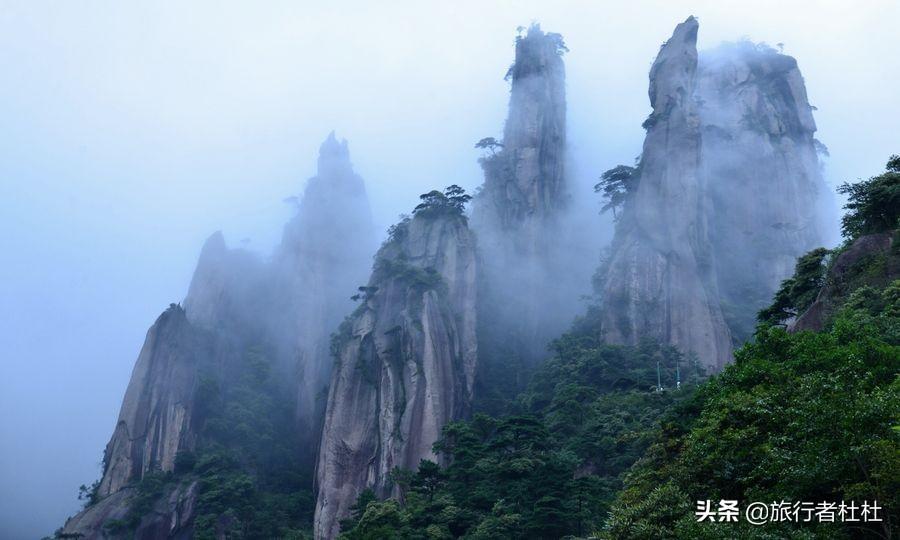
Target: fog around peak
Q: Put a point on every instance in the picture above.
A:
(133, 132)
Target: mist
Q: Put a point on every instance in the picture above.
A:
(134, 132)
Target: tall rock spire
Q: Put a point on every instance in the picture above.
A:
(524, 183)
(517, 214)
(660, 282)
(728, 194)
(759, 155)
(324, 256)
(406, 361)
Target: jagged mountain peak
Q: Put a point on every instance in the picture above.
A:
(334, 157)
(672, 74)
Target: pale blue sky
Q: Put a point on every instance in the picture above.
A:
(132, 130)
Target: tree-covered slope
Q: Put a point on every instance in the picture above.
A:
(802, 415)
(604, 443)
(552, 466)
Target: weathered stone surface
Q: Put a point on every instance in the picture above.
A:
(529, 297)
(406, 363)
(155, 421)
(660, 282)
(171, 517)
(759, 158)
(729, 194)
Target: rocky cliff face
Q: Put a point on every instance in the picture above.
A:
(158, 419)
(157, 414)
(727, 197)
(660, 281)
(518, 215)
(524, 182)
(288, 305)
(757, 145)
(406, 363)
(170, 517)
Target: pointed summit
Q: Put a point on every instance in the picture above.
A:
(659, 282)
(519, 215)
(672, 74)
(324, 256)
(524, 181)
(334, 157)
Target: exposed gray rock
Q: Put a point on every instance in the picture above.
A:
(767, 196)
(525, 181)
(528, 293)
(729, 193)
(156, 418)
(406, 363)
(171, 517)
(660, 282)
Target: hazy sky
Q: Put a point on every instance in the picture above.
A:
(131, 131)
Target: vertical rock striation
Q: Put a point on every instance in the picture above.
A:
(518, 214)
(157, 415)
(660, 282)
(728, 194)
(759, 156)
(524, 185)
(406, 361)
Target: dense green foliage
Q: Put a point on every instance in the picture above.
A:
(549, 468)
(798, 292)
(617, 185)
(248, 465)
(798, 417)
(874, 204)
(434, 203)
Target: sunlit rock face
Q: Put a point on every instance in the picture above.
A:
(518, 214)
(729, 193)
(767, 197)
(406, 361)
